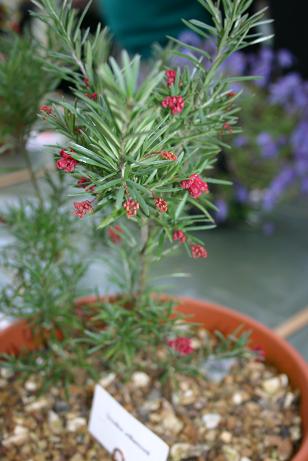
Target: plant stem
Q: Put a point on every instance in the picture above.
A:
(143, 255)
(31, 172)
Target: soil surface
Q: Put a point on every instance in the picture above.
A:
(249, 414)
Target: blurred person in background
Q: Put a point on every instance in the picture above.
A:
(137, 24)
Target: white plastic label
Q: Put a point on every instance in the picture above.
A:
(126, 438)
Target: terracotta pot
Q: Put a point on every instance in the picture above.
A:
(17, 337)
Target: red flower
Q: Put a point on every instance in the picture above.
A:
(182, 345)
(231, 94)
(171, 76)
(92, 96)
(114, 233)
(166, 155)
(46, 109)
(131, 207)
(82, 208)
(161, 204)
(86, 82)
(228, 127)
(198, 251)
(66, 162)
(195, 185)
(174, 103)
(85, 183)
(180, 236)
(15, 27)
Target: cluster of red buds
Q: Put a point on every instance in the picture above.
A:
(170, 76)
(174, 103)
(66, 162)
(198, 251)
(86, 82)
(131, 206)
(231, 94)
(92, 96)
(161, 204)
(227, 127)
(179, 235)
(167, 155)
(195, 186)
(181, 345)
(82, 208)
(114, 233)
(85, 184)
(46, 109)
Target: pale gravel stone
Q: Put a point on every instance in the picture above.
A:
(140, 379)
(211, 420)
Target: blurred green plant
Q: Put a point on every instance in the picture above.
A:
(24, 82)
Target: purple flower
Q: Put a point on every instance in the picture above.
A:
(223, 211)
(304, 185)
(299, 139)
(240, 141)
(261, 65)
(189, 37)
(278, 186)
(267, 145)
(210, 45)
(235, 64)
(301, 166)
(241, 193)
(289, 91)
(285, 58)
(181, 61)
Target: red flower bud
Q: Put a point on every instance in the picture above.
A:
(195, 186)
(182, 345)
(46, 109)
(92, 96)
(82, 208)
(166, 155)
(180, 236)
(198, 251)
(174, 103)
(171, 76)
(161, 204)
(66, 162)
(131, 206)
(114, 233)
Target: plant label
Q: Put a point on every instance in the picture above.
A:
(121, 434)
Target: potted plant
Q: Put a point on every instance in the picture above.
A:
(139, 155)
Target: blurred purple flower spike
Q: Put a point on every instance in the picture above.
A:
(240, 141)
(190, 38)
(278, 186)
(268, 146)
(299, 139)
(290, 91)
(285, 58)
(235, 64)
(304, 185)
(241, 193)
(222, 213)
(261, 65)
